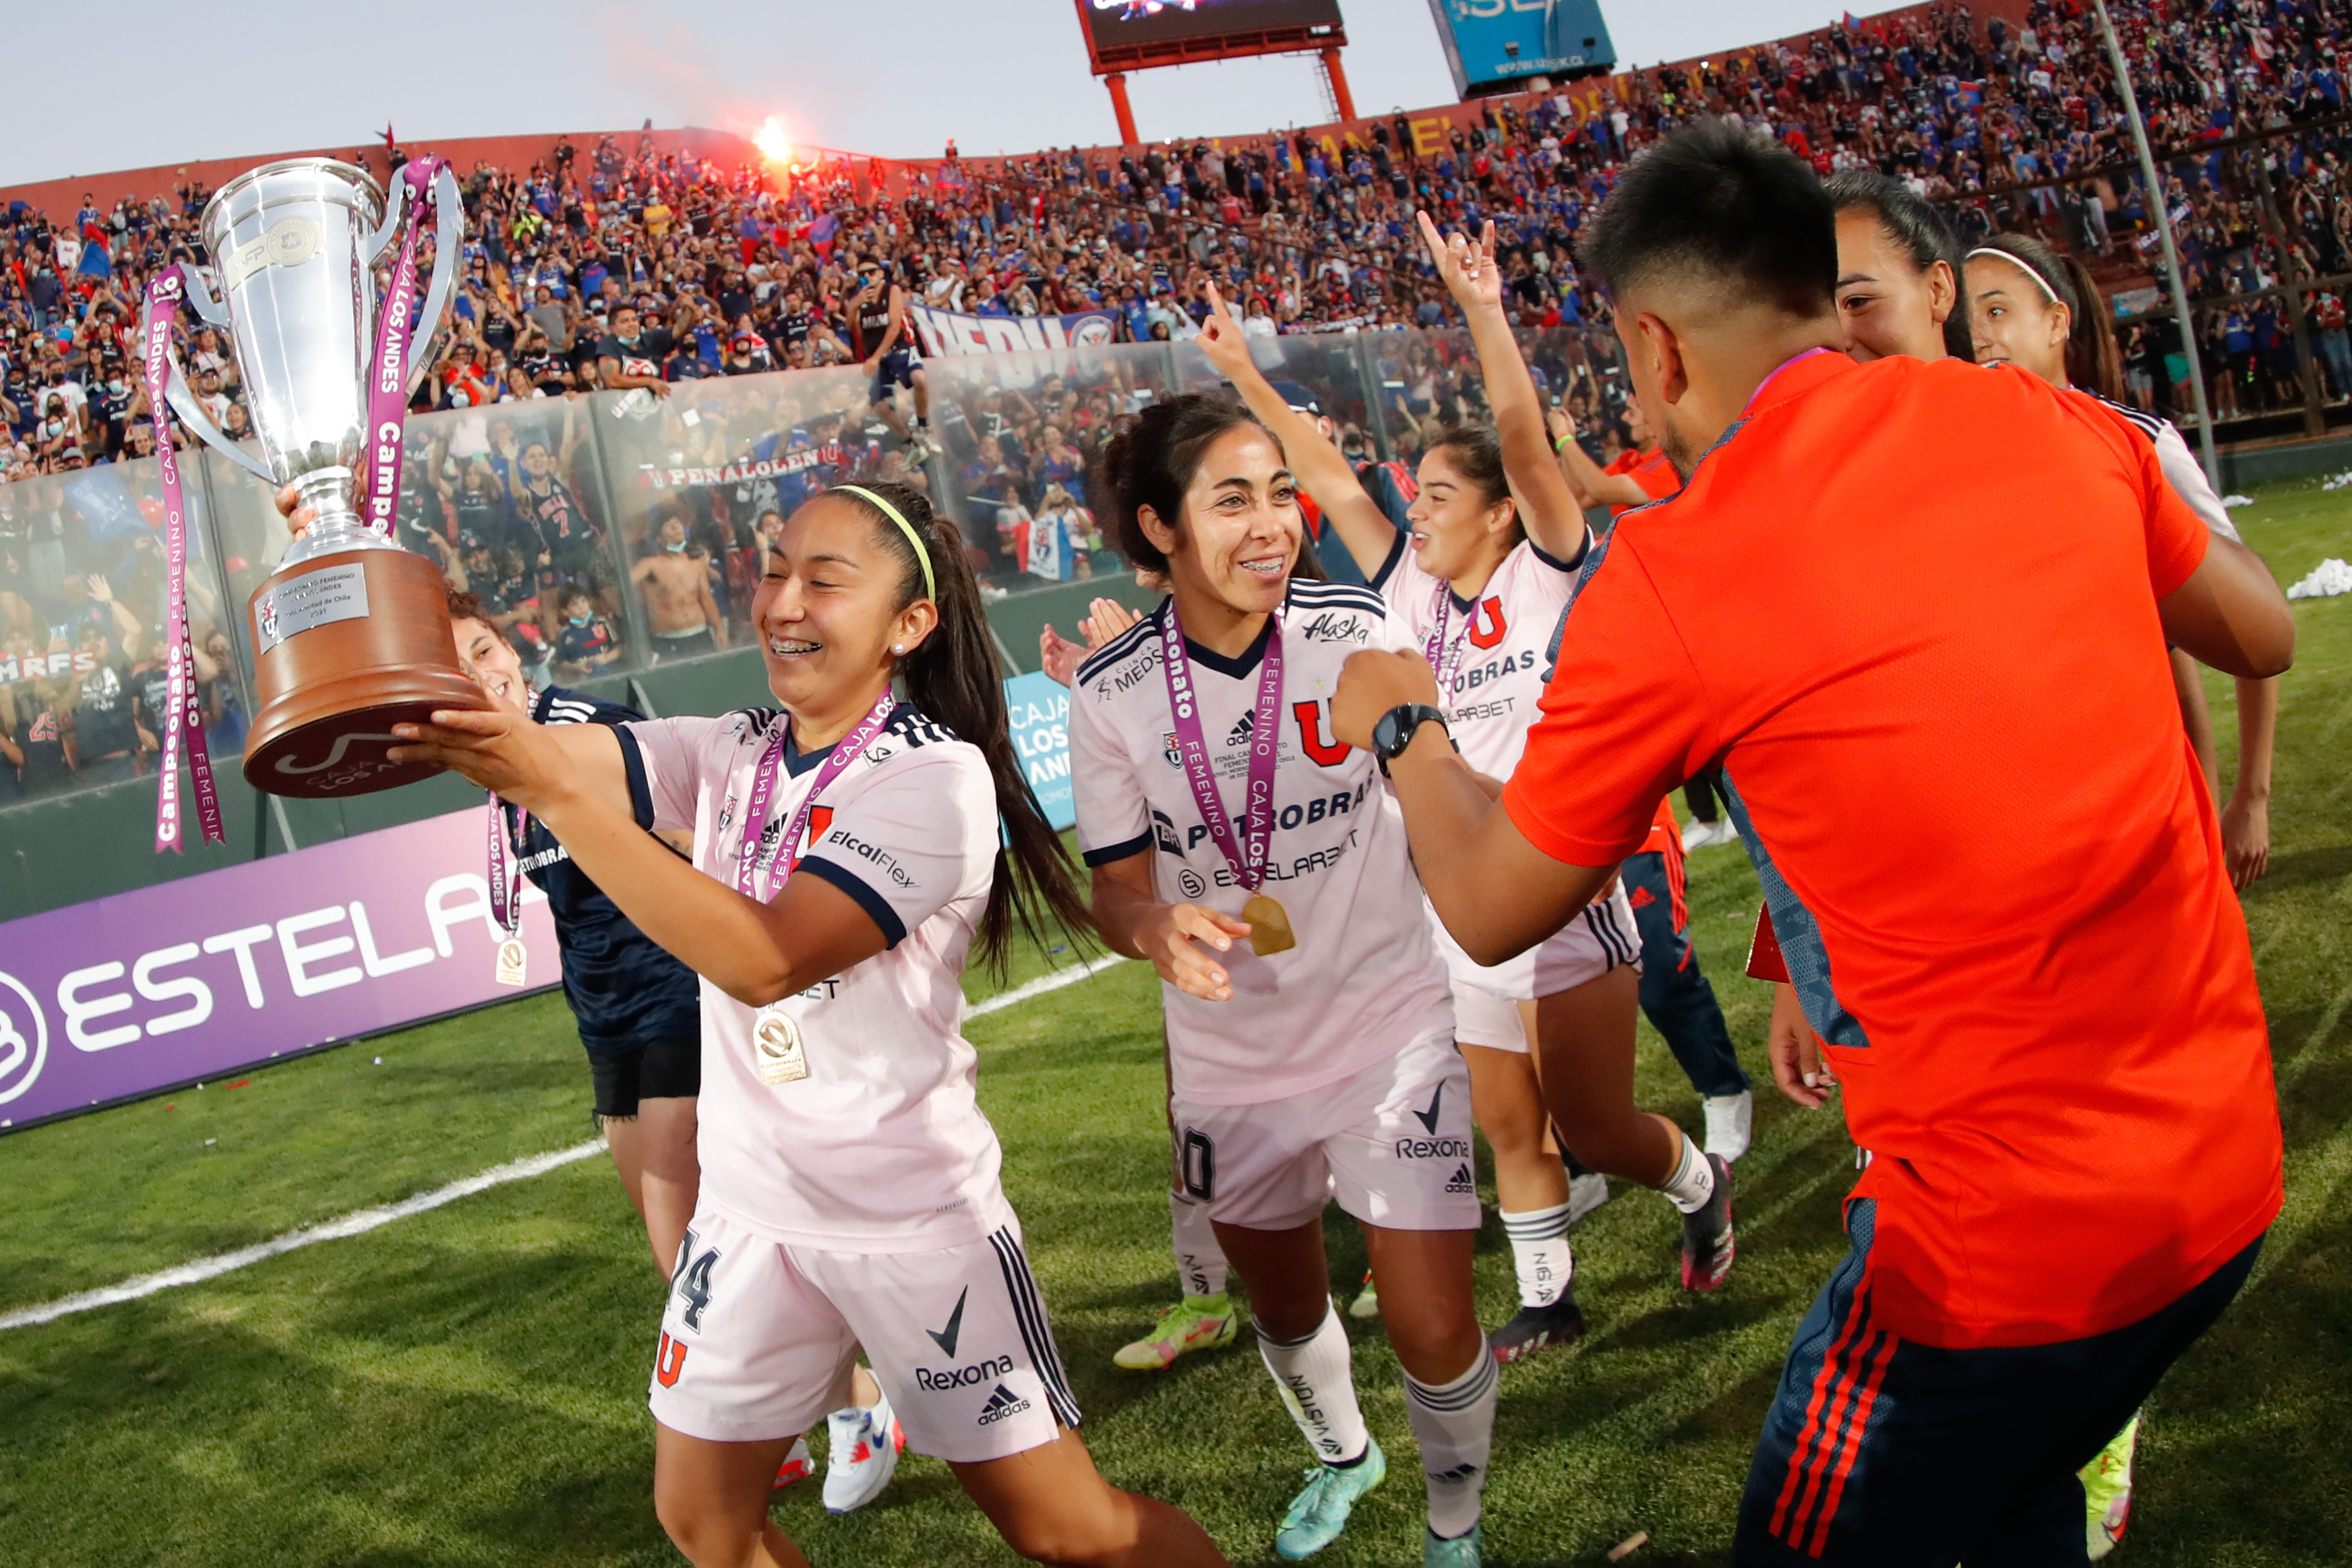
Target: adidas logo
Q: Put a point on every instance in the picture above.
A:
(1461, 1181)
(1240, 734)
(1002, 1404)
(1458, 1475)
(1642, 898)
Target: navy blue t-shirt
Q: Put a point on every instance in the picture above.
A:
(623, 989)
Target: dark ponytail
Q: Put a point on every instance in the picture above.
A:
(1150, 462)
(2093, 362)
(952, 677)
(1913, 222)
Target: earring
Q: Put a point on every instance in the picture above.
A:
(897, 648)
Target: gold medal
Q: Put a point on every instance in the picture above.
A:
(1269, 927)
(513, 961)
(776, 1048)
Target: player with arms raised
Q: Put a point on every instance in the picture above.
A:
(1476, 583)
(1260, 866)
(886, 336)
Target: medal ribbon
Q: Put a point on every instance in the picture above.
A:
(183, 717)
(1444, 657)
(850, 747)
(377, 487)
(1247, 855)
(506, 864)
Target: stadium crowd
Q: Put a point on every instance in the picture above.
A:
(624, 269)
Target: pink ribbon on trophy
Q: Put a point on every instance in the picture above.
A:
(184, 716)
(378, 485)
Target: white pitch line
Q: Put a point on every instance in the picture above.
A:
(362, 1221)
(1070, 975)
(355, 1224)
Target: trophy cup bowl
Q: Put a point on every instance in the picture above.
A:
(350, 632)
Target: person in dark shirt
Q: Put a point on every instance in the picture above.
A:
(106, 740)
(639, 1010)
(632, 355)
(587, 643)
(551, 524)
(40, 738)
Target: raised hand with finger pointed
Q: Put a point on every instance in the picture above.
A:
(1471, 273)
(1221, 339)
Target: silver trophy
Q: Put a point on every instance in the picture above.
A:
(350, 634)
(294, 245)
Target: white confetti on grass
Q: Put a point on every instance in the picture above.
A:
(2331, 577)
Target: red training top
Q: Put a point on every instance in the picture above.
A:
(1940, 688)
(1650, 469)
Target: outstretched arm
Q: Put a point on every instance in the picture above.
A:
(1549, 510)
(1605, 487)
(1321, 468)
(1497, 894)
(756, 952)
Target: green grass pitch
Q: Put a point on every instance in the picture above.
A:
(468, 1387)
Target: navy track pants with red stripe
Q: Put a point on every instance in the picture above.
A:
(1881, 1451)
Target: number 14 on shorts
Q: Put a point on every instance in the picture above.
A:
(691, 1283)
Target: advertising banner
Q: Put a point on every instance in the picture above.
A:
(945, 332)
(1492, 41)
(196, 978)
(1039, 707)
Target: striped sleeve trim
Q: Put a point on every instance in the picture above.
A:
(1119, 646)
(2148, 423)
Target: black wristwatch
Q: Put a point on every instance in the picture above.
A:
(1394, 733)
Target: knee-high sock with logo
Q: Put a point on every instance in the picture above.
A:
(1693, 1181)
(1200, 1261)
(1454, 1424)
(1319, 1386)
(1540, 1254)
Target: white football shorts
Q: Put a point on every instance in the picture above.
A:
(1599, 939)
(1391, 1143)
(757, 1338)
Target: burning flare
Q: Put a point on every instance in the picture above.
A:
(771, 142)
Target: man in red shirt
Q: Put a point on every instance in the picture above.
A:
(1996, 878)
(1637, 476)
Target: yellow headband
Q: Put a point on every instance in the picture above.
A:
(930, 584)
(2022, 266)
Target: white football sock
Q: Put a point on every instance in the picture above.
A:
(1540, 1252)
(1693, 1181)
(1200, 1261)
(1318, 1387)
(1454, 1424)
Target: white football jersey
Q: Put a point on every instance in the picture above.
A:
(1492, 668)
(2181, 470)
(882, 1146)
(1364, 981)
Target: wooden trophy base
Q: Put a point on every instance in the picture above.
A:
(348, 646)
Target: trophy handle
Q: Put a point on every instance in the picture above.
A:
(192, 415)
(200, 298)
(385, 232)
(448, 241)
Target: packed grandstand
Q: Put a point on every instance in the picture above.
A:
(616, 275)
